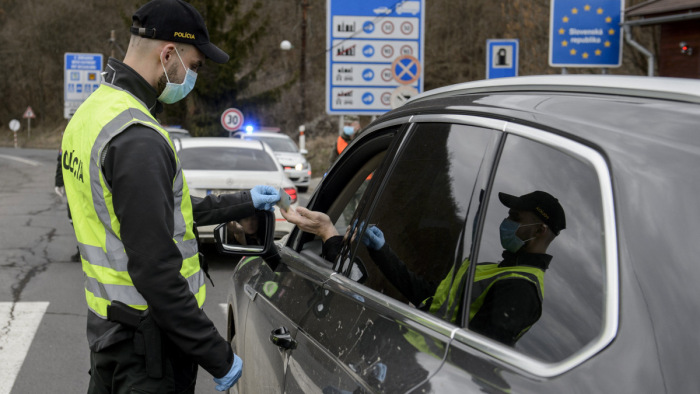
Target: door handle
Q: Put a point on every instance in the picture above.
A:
(281, 337)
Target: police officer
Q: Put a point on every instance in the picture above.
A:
(351, 124)
(134, 217)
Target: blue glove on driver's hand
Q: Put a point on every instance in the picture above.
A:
(225, 383)
(264, 197)
(373, 238)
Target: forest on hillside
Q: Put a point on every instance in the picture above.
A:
(261, 79)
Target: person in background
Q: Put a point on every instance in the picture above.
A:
(134, 218)
(60, 191)
(351, 124)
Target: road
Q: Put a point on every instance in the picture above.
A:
(42, 304)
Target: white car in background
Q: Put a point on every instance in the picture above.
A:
(214, 165)
(177, 132)
(292, 159)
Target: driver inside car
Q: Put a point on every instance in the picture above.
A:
(507, 296)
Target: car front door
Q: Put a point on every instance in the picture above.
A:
(372, 333)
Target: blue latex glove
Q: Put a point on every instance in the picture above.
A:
(373, 238)
(225, 383)
(264, 197)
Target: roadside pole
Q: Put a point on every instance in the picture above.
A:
(29, 115)
(302, 138)
(14, 126)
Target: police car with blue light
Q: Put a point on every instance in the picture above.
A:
(292, 159)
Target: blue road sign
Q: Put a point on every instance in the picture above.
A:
(364, 39)
(81, 77)
(406, 69)
(501, 58)
(585, 33)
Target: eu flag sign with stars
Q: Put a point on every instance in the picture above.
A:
(585, 33)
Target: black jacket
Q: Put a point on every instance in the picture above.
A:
(139, 166)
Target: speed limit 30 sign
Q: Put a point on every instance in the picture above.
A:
(232, 119)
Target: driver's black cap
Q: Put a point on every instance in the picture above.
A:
(542, 204)
(177, 21)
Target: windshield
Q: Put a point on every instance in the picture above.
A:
(226, 159)
(277, 144)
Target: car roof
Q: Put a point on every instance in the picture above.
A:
(200, 142)
(676, 89)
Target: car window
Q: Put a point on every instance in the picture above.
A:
(342, 191)
(226, 159)
(421, 211)
(561, 275)
(276, 144)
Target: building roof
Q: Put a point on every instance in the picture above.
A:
(656, 7)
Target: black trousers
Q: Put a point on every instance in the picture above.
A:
(118, 369)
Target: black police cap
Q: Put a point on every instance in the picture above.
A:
(177, 21)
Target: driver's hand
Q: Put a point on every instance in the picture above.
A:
(314, 222)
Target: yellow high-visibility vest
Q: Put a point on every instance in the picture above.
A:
(104, 115)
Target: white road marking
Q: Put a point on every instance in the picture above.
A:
(21, 160)
(17, 329)
(224, 309)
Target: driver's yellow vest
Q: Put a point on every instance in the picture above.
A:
(449, 293)
(104, 115)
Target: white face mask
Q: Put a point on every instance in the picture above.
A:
(175, 92)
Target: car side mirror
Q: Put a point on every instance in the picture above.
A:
(252, 236)
(304, 151)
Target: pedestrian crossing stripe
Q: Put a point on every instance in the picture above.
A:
(19, 322)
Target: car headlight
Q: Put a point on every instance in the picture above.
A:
(299, 166)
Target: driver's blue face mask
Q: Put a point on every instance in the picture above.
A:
(509, 240)
(175, 92)
(348, 130)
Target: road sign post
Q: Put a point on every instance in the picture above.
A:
(502, 58)
(14, 126)
(82, 76)
(365, 38)
(585, 33)
(29, 115)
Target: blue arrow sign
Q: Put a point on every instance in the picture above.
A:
(585, 33)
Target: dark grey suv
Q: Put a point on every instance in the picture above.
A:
(619, 294)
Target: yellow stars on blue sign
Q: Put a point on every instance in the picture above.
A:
(585, 32)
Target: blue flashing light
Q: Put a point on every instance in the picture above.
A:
(249, 129)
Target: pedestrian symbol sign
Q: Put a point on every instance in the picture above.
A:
(501, 58)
